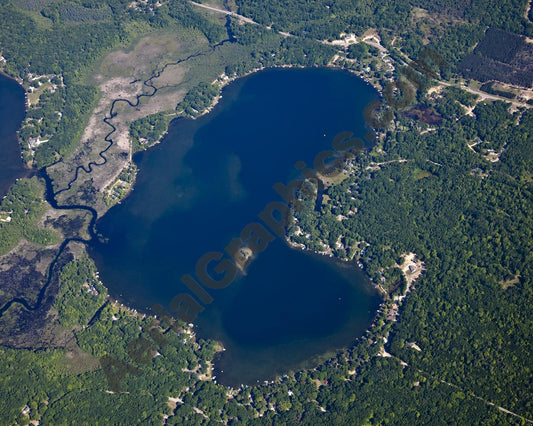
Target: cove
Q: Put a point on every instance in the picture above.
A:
(208, 179)
(12, 112)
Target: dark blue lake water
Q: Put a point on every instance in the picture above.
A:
(12, 112)
(208, 179)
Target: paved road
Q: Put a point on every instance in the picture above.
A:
(226, 12)
(236, 15)
(484, 95)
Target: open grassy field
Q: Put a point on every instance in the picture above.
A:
(120, 75)
(173, 61)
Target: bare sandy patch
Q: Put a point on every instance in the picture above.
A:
(435, 89)
(509, 283)
(412, 268)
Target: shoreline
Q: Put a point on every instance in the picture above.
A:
(296, 246)
(15, 153)
(223, 81)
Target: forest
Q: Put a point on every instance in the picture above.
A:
(458, 193)
(65, 39)
(134, 370)
(466, 218)
(20, 211)
(469, 220)
(198, 99)
(501, 56)
(148, 130)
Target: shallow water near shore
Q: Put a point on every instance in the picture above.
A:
(203, 184)
(12, 112)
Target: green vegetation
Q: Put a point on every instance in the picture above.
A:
(268, 49)
(361, 51)
(155, 364)
(75, 12)
(128, 174)
(29, 48)
(82, 32)
(64, 129)
(21, 210)
(501, 56)
(469, 220)
(465, 217)
(146, 131)
(451, 28)
(122, 185)
(458, 194)
(322, 20)
(489, 88)
(80, 293)
(198, 99)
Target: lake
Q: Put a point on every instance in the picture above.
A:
(208, 179)
(12, 112)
